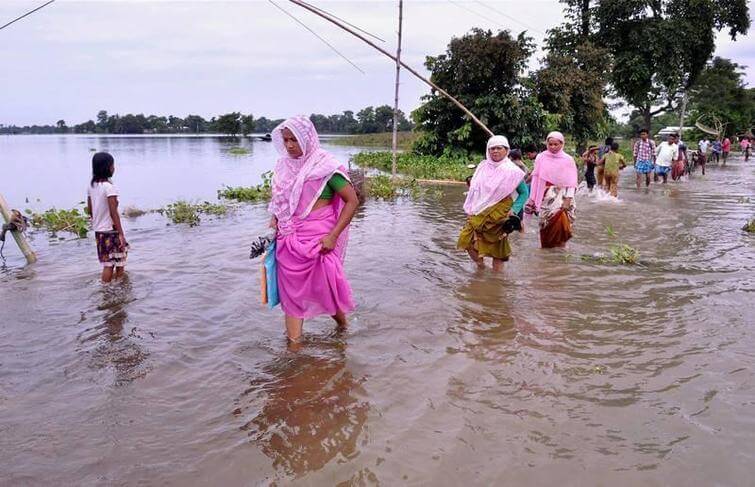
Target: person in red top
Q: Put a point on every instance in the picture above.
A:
(726, 148)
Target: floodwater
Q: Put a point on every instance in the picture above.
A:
(558, 370)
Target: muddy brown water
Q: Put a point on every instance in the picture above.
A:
(557, 370)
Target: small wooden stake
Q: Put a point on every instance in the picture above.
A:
(31, 257)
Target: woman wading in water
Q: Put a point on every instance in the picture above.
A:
(554, 182)
(497, 192)
(312, 204)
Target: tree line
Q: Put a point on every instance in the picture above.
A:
(365, 121)
(649, 55)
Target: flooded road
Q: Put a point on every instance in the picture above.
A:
(558, 370)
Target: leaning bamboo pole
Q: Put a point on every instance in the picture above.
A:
(440, 90)
(395, 101)
(31, 257)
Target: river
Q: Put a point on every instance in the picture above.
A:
(557, 370)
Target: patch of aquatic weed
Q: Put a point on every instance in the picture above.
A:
(618, 253)
(749, 226)
(134, 212)
(238, 151)
(446, 167)
(260, 192)
(384, 187)
(184, 212)
(73, 221)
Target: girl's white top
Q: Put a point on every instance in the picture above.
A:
(99, 193)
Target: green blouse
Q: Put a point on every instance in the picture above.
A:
(335, 184)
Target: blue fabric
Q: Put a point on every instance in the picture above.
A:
(523, 194)
(644, 167)
(271, 271)
(661, 170)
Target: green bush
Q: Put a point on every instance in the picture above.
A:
(54, 221)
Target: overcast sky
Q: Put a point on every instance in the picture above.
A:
(74, 58)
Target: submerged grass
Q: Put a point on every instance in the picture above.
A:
(420, 167)
(749, 226)
(73, 221)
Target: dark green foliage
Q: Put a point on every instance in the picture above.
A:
(229, 124)
(484, 71)
(572, 82)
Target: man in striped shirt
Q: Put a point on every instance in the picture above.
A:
(644, 155)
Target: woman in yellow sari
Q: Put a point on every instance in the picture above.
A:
(497, 192)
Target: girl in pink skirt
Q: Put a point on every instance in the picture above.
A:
(312, 204)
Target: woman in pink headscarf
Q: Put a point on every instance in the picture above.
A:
(554, 183)
(312, 204)
(497, 192)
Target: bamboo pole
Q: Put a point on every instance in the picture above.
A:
(398, 75)
(406, 66)
(31, 257)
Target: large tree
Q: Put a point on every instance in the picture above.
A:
(660, 47)
(571, 83)
(229, 124)
(485, 72)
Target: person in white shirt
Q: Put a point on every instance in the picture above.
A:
(102, 206)
(665, 155)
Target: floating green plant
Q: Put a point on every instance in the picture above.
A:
(238, 151)
(749, 226)
(618, 253)
(183, 212)
(262, 191)
(73, 221)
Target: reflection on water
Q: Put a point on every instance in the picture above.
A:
(116, 342)
(314, 409)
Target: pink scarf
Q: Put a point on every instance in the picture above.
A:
(557, 169)
(491, 183)
(311, 170)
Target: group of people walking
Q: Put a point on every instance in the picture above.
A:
(313, 201)
(499, 196)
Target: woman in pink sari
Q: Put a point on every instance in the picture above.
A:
(312, 204)
(554, 183)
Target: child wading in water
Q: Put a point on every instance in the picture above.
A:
(612, 163)
(102, 206)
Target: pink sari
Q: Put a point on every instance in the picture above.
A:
(310, 283)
